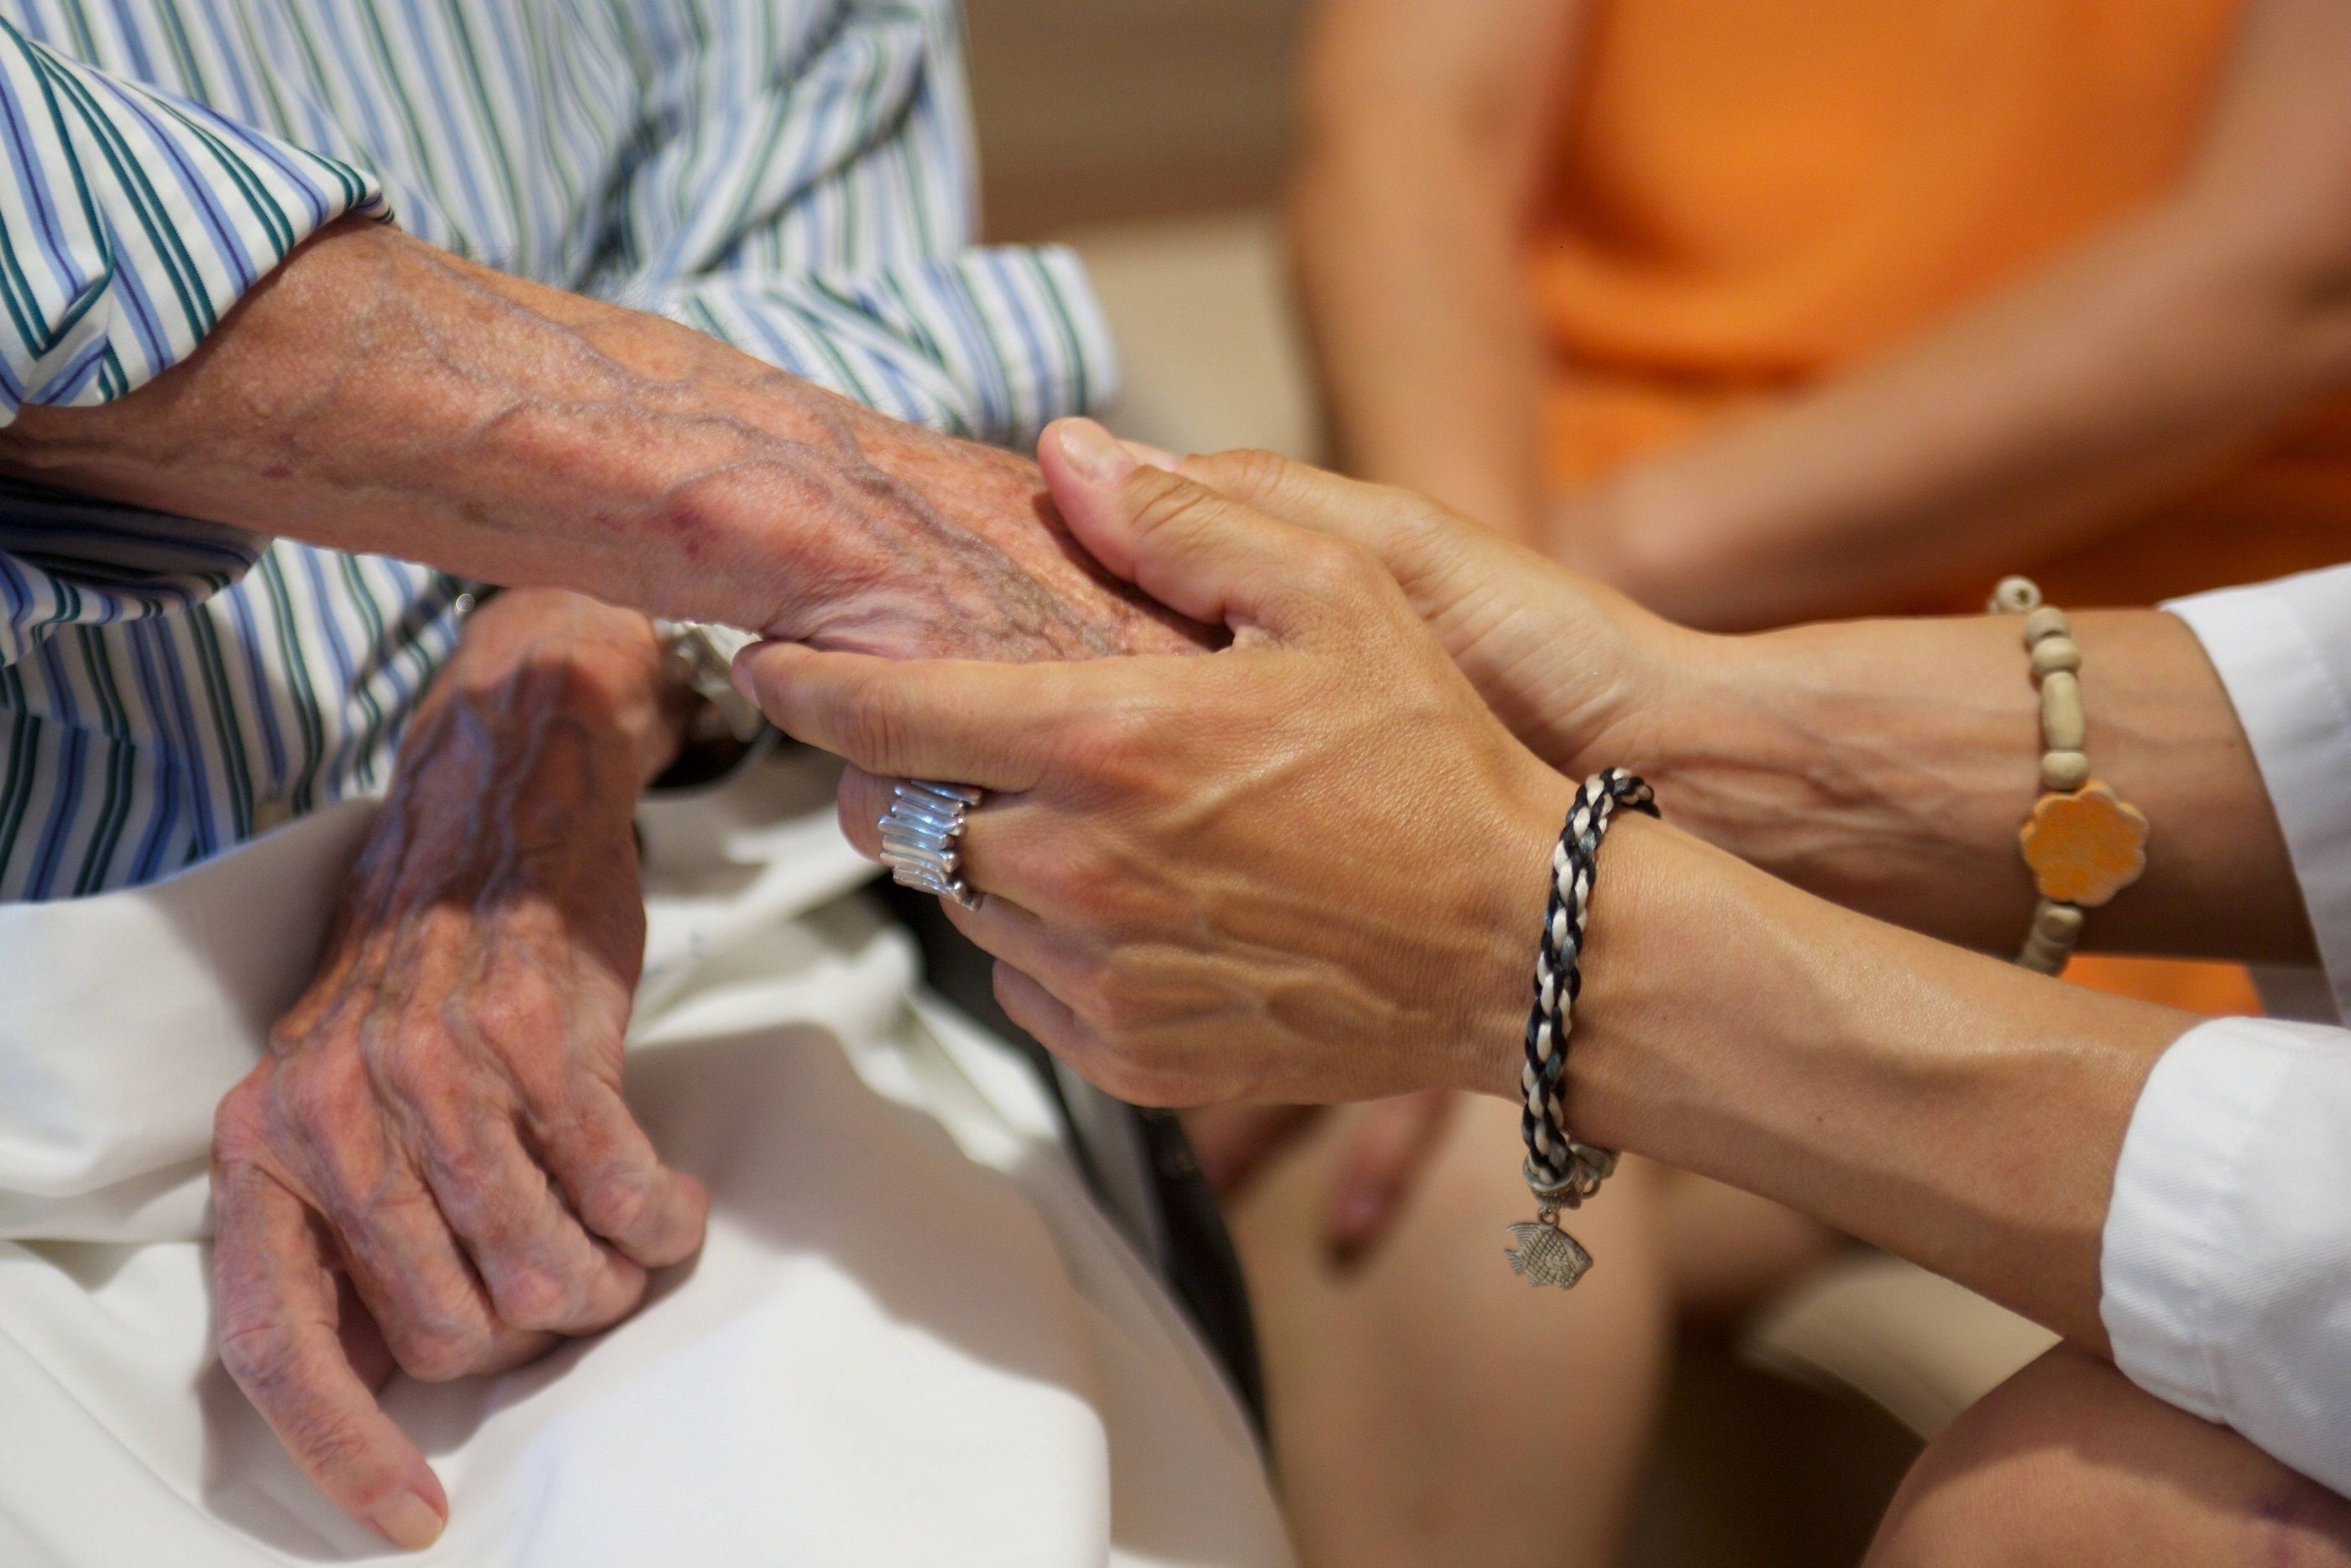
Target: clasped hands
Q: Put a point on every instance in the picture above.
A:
(1306, 868)
(433, 1165)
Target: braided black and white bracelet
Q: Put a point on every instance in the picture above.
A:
(1561, 1169)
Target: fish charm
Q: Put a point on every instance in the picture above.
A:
(1543, 1254)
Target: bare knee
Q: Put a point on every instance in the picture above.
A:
(2068, 1463)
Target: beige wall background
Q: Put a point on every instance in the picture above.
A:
(1093, 112)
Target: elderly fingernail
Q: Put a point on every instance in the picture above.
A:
(409, 1522)
(1095, 451)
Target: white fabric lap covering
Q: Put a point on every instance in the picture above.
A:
(912, 1338)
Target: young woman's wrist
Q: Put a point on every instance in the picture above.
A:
(1884, 765)
(1494, 1000)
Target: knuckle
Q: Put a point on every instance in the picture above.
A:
(319, 1093)
(254, 1348)
(616, 1202)
(1332, 567)
(1255, 471)
(464, 1175)
(322, 1438)
(872, 734)
(1116, 914)
(527, 1295)
(1129, 751)
(1169, 501)
(411, 1062)
(861, 809)
(1149, 1086)
(1252, 475)
(1418, 514)
(1073, 881)
(1099, 744)
(438, 1352)
(1117, 1070)
(241, 1121)
(519, 1013)
(1116, 1002)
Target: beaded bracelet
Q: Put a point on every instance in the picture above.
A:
(1562, 1170)
(2083, 843)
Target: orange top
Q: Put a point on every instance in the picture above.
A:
(1755, 193)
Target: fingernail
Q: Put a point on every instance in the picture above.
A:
(1094, 451)
(409, 1522)
(739, 670)
(1150, 456)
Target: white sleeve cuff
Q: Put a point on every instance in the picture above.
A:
(2284, 651)
(2225, 1260)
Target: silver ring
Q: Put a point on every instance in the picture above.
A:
(919, 835)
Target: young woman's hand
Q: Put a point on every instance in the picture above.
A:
(1572, 665)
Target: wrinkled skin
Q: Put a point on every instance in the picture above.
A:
(376, 394)
(433, 1163)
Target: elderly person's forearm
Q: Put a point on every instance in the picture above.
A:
(379, 395)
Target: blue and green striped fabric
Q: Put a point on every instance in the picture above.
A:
(793, 176)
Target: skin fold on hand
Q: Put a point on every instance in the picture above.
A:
(1572, 665)
(376, 394)
(434, 1165)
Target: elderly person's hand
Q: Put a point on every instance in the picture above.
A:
(1305, 868)
(435, 1149)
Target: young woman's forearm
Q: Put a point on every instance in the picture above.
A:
(1406, 253)
(1426, 132)
(2036, 421)
(2152, 355)
(1942, 1104)
(376, 394)
(1889, 765)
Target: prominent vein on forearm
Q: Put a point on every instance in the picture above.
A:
(396, 400)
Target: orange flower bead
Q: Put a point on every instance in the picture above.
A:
(2084, 847)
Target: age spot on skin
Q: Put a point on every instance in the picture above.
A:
(682, 524)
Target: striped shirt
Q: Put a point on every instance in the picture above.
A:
(792, 176)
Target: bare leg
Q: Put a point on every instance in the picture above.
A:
(1729, 1250)
(2068, 1464)
(1429, 1406)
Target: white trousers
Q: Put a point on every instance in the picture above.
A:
(911, 1337)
